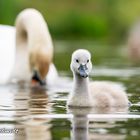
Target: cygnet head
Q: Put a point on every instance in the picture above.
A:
(81, 63)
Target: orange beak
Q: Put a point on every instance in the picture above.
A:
(36, 80)
(34, 83)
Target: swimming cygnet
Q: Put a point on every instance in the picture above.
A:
(96, 94)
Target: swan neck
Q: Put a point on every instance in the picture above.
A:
(81, 84)
(32, 30)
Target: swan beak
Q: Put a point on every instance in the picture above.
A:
(82, 71)
(36, 80)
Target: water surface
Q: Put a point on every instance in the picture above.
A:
(42, 114)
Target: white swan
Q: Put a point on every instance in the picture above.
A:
(31, 57)
(97, 94)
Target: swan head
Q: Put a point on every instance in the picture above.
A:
(81, 63)
(40, 61)
(36, 79)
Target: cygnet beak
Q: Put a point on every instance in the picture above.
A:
(82, 71)
(36, 80)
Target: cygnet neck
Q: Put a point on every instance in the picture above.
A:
(80, 84)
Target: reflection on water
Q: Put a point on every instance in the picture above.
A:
(79, 124)
(83, 129)
(37, 103)
(41, 114)
(17, 103)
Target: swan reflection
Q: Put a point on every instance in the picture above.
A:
(84, 128)
(34, 102)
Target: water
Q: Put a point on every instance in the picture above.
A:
(41, 114)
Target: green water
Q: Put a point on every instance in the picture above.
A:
(41, 114)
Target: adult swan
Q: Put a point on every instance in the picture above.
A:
(30, 58)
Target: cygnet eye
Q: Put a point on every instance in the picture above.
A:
(77, 60)
(87, 60)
